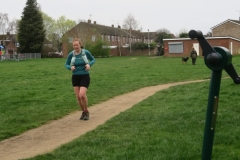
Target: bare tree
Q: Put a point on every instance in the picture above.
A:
(130, 23)
(6, 25)
(12, 26)
(80, 20)
(4, 20)
(161, 34)
(81, 32)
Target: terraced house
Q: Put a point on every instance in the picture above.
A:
(118, 40)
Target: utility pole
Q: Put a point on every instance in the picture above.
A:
(130, 40)
(148, 44)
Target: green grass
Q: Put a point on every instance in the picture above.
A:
(167, 125)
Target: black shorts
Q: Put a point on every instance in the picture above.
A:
(81, 80)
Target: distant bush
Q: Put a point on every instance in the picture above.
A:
(97, 49)
(141, 45)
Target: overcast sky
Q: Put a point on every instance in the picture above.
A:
(174, 15)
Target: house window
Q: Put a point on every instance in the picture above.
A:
(93, 38)
(102, 37)
(113, 39)
(175, 47)
(70, 39)
(108, 37)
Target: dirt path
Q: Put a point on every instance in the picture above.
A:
(50, 136)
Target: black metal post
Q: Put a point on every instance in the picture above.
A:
(211, 115)
(216, 59)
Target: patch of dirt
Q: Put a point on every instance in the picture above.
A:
(48, 137)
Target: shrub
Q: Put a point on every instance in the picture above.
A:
(141, 45)
(97, 48)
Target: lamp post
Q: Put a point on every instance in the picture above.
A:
(130, 40)
(148, 44)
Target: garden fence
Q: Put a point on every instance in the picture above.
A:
(20, 56)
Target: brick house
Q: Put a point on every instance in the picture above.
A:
(229, 28)
(181, 47)
(9, 42)
(225, 34)
(118, 39)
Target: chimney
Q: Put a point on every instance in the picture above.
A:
(95, 22)
(112, 25)
(119, 26)
(89, 21)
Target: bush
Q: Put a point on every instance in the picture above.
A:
(97, 49)
(141, 45)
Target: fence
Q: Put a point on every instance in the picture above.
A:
(20, 56)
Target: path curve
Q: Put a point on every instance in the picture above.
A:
(48, 137)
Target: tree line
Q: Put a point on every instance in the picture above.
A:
(35, 26)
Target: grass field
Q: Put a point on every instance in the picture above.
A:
(168, 125)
